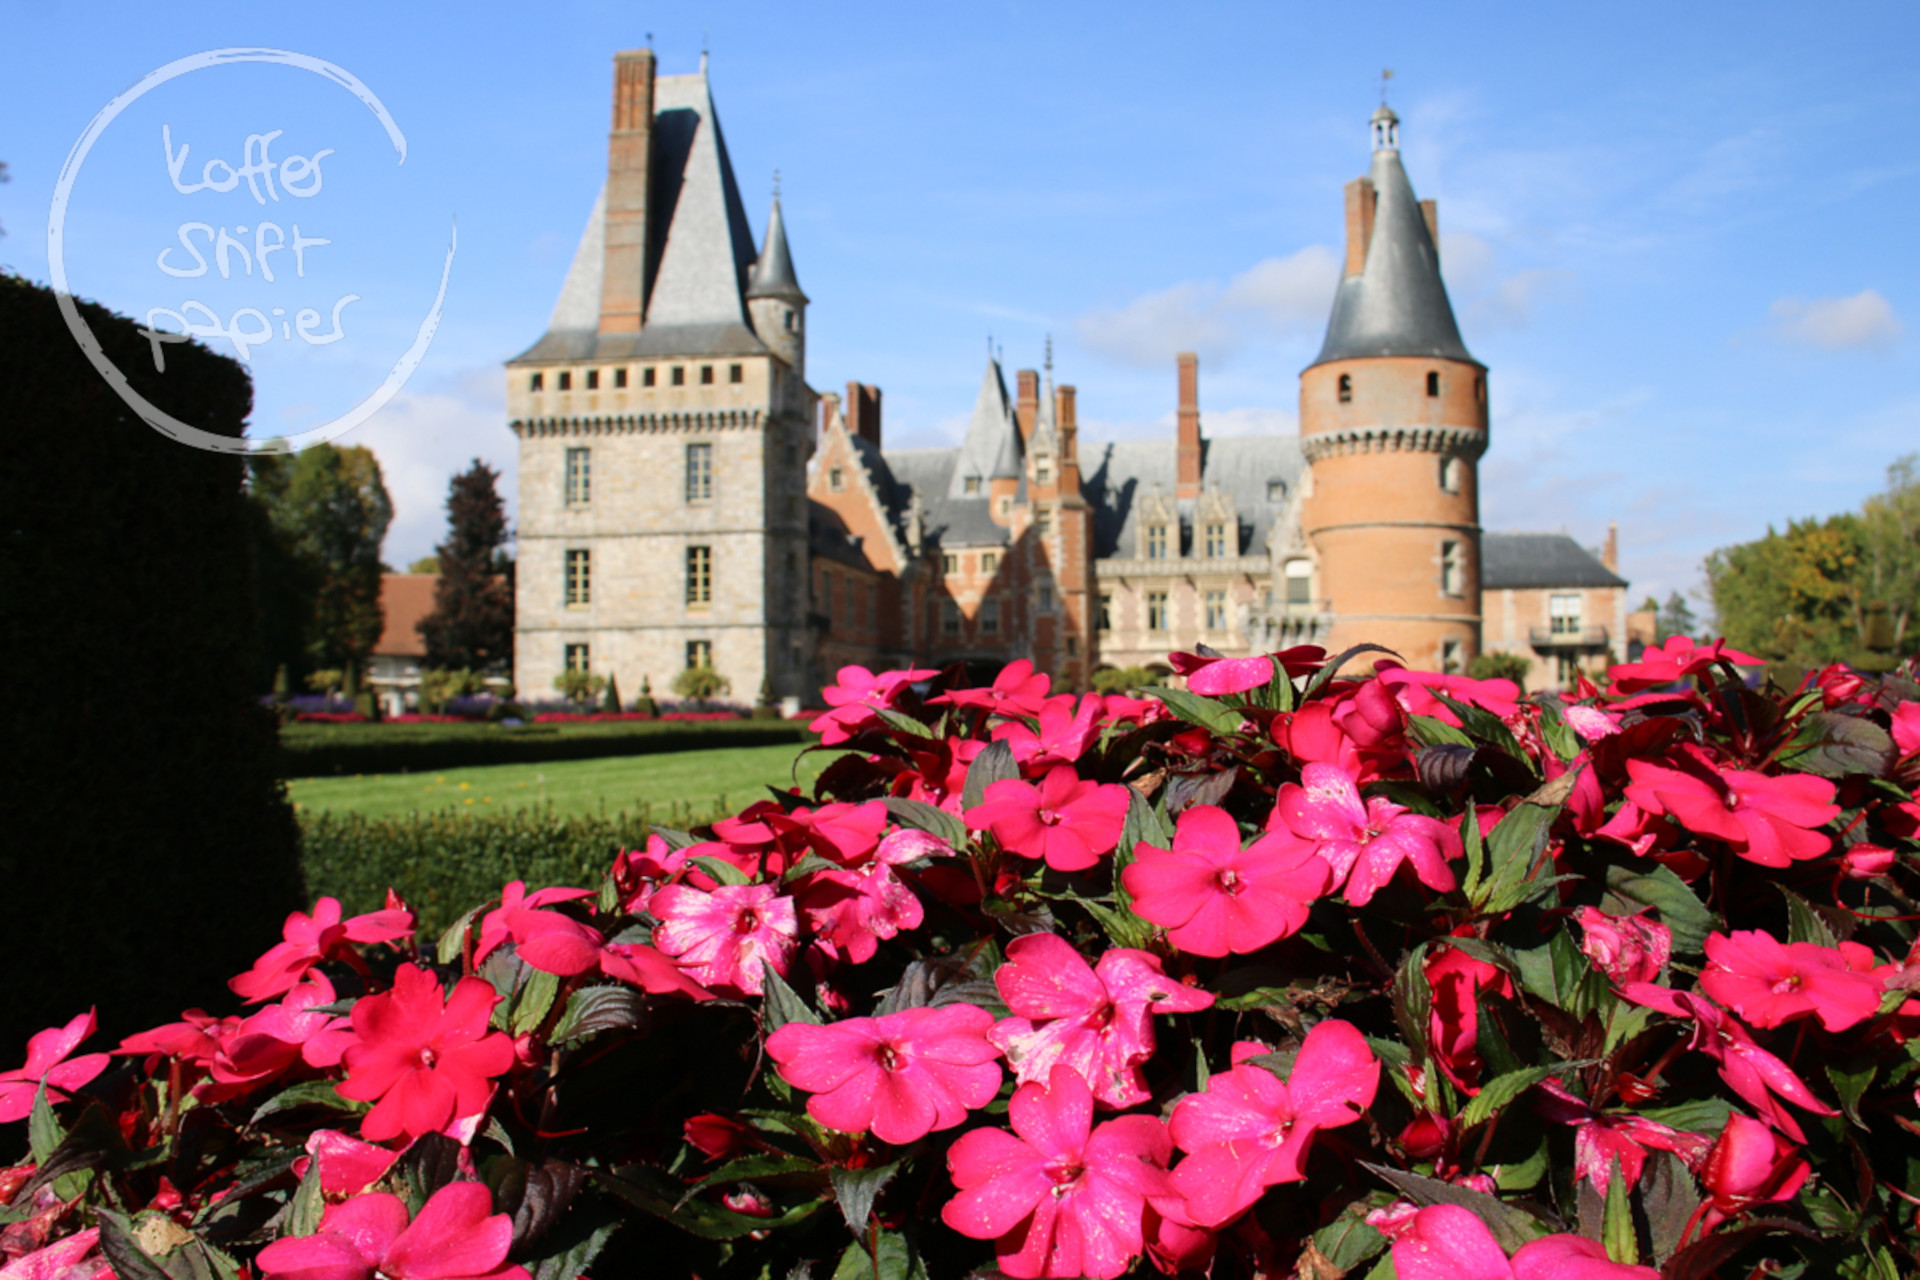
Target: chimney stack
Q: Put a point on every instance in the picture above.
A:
(1361, 202)
(1430, 210)
(629, 162)
(1189, 434)
(1610, 554)
(1026, 406)
(863, 412)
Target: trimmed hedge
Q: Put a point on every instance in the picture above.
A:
(316, 750)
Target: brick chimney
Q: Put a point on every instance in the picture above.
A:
(1026, 404)
(1610, 554)
(1189, 450)
(1066, 414)
(629, 162)
(1361, 201)
(863, 412)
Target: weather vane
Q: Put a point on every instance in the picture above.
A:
(1386, 74)
(776, 186)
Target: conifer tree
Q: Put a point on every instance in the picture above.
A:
(472, 620)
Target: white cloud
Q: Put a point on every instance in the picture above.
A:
(1865, 320)
(1280, 296)
(1511, 303)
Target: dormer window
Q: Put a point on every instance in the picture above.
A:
(787, 319)
(1346, 388)
(1156, 542)
(593, 379)
(836, 480)
(1276, 491)
(973, 486)
(620, 378)
(1433, 383)
(646, 376)
(537, 382)
(1216, 540)
(566, 380)
(1042, 471)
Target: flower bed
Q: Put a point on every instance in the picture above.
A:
(1282, 974)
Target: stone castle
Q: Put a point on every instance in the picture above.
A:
(687, 499)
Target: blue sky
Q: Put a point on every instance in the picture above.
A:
(1682, 237)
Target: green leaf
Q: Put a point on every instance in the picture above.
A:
(1143, 826)
(1804, 921)
(591, 1010)
(748, 1168)
(1526, 1174)
(1207, 713)
(1348, 1241)
(534, 1000)
(931, 819)
(1705, 1115)
(901, 722)
(1511, 1225)
(1629, 890)
(995, 764)
(1512, 851)
(721, 870)
(1125, 928)
(1501, 1090)
(649, 1190)
(44, 1131)
(308, 1093)
(1852, 1079)
(1476, 849)
(453, 942)
(573, 1245)
(781, 1004)
(1331, 667)
(123, 1252)
(1430, 731)
(1486, 727)
(1616, 1231)
(856, 1190)
(1559, 735)
(1834, 745)
(1412, 1001)
(892, 1259)
(308, 1203)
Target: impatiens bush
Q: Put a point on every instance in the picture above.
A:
(1289, 972)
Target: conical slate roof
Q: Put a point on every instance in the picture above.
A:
(991, 450)
(1397, 305)
(773, 274)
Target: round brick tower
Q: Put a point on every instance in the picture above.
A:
(1393, 420)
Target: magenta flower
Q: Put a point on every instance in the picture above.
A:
(456, 1236)
(1749, 1164)
(547, 940)
(1214, 897)
(1446, 1242)
(851, 911)
(348, 1166)
(1058, 1196)
(1099, 1021)
(1600, 1139)
(1211, 674)
(1364, 842)
(723, 938)
(640, 965)
(1416, 692)
(1906, 728)
(902, 1075)
(1756, 1075)
(1064, 820)
(1625, 948)
(1768, 982)
(424, 1064)
(1017, 691)
(1063, 734)
(856, 697)
(311, 939)
(1676, 659)
(1771, 821)
(277, 1038)
(76, 1257)
(1250, 1130)
(47, 1061)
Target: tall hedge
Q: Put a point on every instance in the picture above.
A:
(148, 850)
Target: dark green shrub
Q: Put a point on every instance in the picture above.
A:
(1500, 666)
(315, 750)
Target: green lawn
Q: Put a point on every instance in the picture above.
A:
(708, 782)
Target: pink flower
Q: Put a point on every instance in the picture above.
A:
(1599, 1140)
(852, 911)
(638, 872)
(1750, 1165)
(1906, 728)
(1364, 842)
(1866, 861)
(1213, 675)
(1064, 820)
(1457, 981)
(1446, 1242)
(1415, 691)
(1676, 659)
(457, 1236)
(1062, 737)
(348, 1166)
(902, 1075)
(47, 1061)
(1016, 691)
(1767, 820)
(194, 1039)
(1625, 948)
(1250, 1130)
(422, 1063)
(1058, 1196)
(1591, 723)
(723, 938)
(640, 965)
(1099, 1021)
(277, 1038)
(1768, 982)
(1214, 897)
(311, 939)
(1756, 1075)
(855, 699)
(846, 833)
(547, 940)
(77, 1257)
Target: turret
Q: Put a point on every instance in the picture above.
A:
(1393, 420)
(774, 299)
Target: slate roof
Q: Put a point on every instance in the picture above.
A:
(991, 449)
(773, 275)
(1519, 560)
(1244, 468)
(700, 248)
(1397, 305)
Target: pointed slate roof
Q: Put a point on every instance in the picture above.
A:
(991, 450)
(773, 274)
(1397, 305)
(699, 244)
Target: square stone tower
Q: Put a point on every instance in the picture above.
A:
(665, 424)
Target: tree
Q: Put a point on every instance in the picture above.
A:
(1675, 618)
(1789, 596)
(1500, 666)
(330, 510)
(701, 683)
(425, 564)
(1890, 556)
(472, 620)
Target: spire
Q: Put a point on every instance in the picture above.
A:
(991, 450)
(1395, 304)
(773, 274)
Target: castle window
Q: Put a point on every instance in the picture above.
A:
(537, 382)
(577, 657)
(1043, 472)
(1156, 611)
(566, 380)
(699, 473)
(1216, 611)
(1452, 569)
(579, 584)
(989, 562)
(836, 480)
(1276, 491)
(706, 375)
(579, 477)
(678, 377)
(646, 376)
(1043, 521)
(949, 618)
(1346, 388)
(699, 577)
(989, 617)
(1451, 654)
(1433, 383)
(1299, 584)
(1480, 390)
(1450, 474)
(1006, 504)
(1156, 542)
(1563, 612)
(620, 378)
(1216, 540)
(736, 373)
(949, 564)
(787, 319)
(699, 654)
(593, 379)
(1045, 599)
(1106, 610)
(973, 486)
